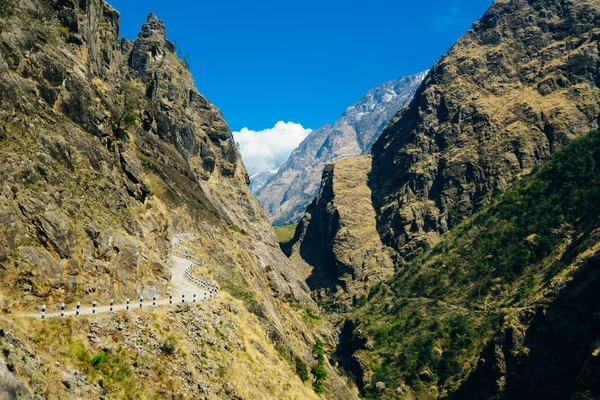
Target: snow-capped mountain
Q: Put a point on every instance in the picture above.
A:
(259, 179)
(285, 196)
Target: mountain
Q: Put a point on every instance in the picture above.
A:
(522, 83)
(116, 172)
(258, 180)
(504, 306)
(285, 196)
(493, 276)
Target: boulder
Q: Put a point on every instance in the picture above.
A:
(55, 228)
(10, 387)
(42, 260)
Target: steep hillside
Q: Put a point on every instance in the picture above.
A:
(504, 306)
(517, 87)
(285, 196)
(336, 242)
(108, 153)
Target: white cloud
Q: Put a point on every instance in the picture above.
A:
(270, 148)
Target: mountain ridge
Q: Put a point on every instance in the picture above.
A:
(285, 196)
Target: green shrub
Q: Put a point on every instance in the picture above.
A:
(7, 8)
(128, 107)
(98, 359)
(360, 302)
(318, 387)
(169, 346)
(81, 354)
(318, 351)
(319, 372)
(10, 366)
(67, 383)
(301, 369)
(5, 351)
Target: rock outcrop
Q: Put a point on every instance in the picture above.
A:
(337, 244)
(285, 196)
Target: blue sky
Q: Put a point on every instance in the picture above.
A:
(303, 61)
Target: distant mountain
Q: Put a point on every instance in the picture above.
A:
(285, 196)
(258, 180)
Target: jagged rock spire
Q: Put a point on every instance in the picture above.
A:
(150, 44)
(153, 28)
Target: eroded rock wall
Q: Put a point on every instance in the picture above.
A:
(519, 85)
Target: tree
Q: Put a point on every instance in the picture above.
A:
(187, 63)
(318, 370)
(185, 58)
(127, 108)
(7, 8)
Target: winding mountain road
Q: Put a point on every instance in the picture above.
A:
(180, 286)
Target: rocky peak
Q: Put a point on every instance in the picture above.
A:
(153, 27)
(151, 44)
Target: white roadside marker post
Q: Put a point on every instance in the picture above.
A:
(183, 297)
(62, 310)
(127, 305)
(94, 307)
(111, 305)
(170, 298)
(194, 297)
(154, 301)
(43, 311)
(141, 301)
(78, 308)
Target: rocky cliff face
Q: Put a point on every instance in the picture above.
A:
(285, 196)
(519, 85)
(337, 244)
(108, 150)
(504, 306)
